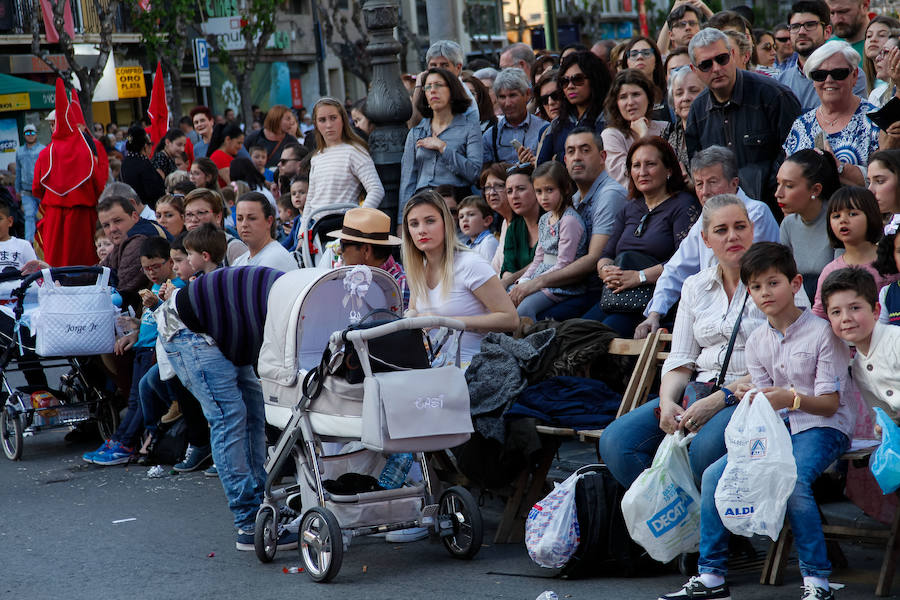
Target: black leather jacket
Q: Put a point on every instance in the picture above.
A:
(754, 124)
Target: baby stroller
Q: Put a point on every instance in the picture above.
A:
(314, 401)
(325, 219)
(78, 399)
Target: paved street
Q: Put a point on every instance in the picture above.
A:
(60, 540)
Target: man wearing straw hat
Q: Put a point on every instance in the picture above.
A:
(366, 240)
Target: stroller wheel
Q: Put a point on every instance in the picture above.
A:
(11, 435)
(265, 537)
(107, 417)
(459, 506)
(321, 544)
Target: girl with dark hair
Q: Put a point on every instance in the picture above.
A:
(884, 175)
(243, 169)
(584, 80)
(880, 29)
(854, 224)
(648, 230)
(806, 180)
(205, 174)
(628, 107)
(168, 148)
(887, 263)
(444, 148)
(225, 143)
(483, 99)
(137, 171)
(642, 54)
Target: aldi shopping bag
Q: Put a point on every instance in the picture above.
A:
(885, 461)
(551, 530)
(752, 493)
(662, 506)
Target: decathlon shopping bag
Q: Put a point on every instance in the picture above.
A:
(74, 320)
(752, 493)
(662, 506)
(551, 530)
(885, 461)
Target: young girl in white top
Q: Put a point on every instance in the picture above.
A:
(446, 279)
(562, 238)
(340, 168)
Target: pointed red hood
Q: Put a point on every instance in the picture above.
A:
(71, 159)
(75, 109)
(158, 111)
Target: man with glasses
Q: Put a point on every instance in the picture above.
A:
(517, 128)
(519, 56)
(785, 57)
(749, 113)
(850, 18)
(292, 156)
(809, 26)
(682, 24)
(26, 158)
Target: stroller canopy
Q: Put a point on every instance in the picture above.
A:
(308, 305)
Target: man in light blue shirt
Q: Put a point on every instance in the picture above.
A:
(513, 92)
(715, 172)
(810, 27)
(26, 158)
(599, 200)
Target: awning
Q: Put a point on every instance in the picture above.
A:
(23, 94)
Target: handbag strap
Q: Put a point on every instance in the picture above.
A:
(737, 326)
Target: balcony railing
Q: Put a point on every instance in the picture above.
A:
(84, 15)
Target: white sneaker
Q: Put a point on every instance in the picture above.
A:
(406, 535)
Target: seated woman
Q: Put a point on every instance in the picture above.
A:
(839, 125)
(445, 147)
(684, 86)
(493, 188)
(806, 181)
(446, 279)
(522, 233)
(712, 301)
(627, 108)
(648, 230)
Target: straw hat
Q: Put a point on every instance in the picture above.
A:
(367, 226)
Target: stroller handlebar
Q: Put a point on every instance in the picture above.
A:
(359, 335)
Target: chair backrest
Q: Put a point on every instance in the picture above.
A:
(650, 356)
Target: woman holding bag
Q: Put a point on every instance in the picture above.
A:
(713, 314)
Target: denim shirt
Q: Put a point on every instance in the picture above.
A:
(554, 147)
(753, 123)
(497, 140)
(26, 159)
(458, 165)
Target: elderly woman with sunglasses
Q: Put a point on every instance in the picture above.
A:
(839, 125)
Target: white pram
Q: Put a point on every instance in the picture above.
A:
(310, 310)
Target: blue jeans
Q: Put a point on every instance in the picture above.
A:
(570, 308)
(155, 398)
(130, 427)
(533, 304)
(30, 208)
(232, 402)
(814, 450)
(629, 444)
(623, 324)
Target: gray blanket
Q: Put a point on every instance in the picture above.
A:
(498, 374)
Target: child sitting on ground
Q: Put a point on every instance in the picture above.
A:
(14, 252)
(205, 248)
(475, 218)
(801, 367)
(850, 299)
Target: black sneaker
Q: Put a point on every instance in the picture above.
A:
(814, 592)
(695, 589)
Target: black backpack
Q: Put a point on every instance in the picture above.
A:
(605, 548)
(170, 444)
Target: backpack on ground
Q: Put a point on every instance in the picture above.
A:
(171, 443)
(605, 548)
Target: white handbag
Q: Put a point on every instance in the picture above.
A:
(74, 320)
(419, 410)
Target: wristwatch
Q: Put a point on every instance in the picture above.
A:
(642, 276)
(730, 398)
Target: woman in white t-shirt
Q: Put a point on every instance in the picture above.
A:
(446, 279)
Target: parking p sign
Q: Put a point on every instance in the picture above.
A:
(201, 62)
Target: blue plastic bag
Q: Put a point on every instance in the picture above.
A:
(885, 461)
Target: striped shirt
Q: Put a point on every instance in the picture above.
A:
(229, 305)
(338, 174)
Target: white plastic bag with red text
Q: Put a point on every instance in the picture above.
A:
(551, 530)
(752, 493)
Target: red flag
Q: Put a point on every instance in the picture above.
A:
(158, 111)
(50, 28)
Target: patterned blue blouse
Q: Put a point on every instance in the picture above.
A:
(853, 145)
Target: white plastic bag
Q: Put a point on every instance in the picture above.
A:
(752, 493)
(551, 530)
(662, 506)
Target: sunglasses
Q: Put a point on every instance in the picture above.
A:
(706, 65)
(555, 95)
(639, 230)
(577, 80)
(520, 167)
(767, 46)
(820, 75)
(783, 40)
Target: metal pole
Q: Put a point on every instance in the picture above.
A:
(550, 29)
(388, 104)
(443, 20)
(320, 51)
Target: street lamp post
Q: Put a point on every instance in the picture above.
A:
(387, 105)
